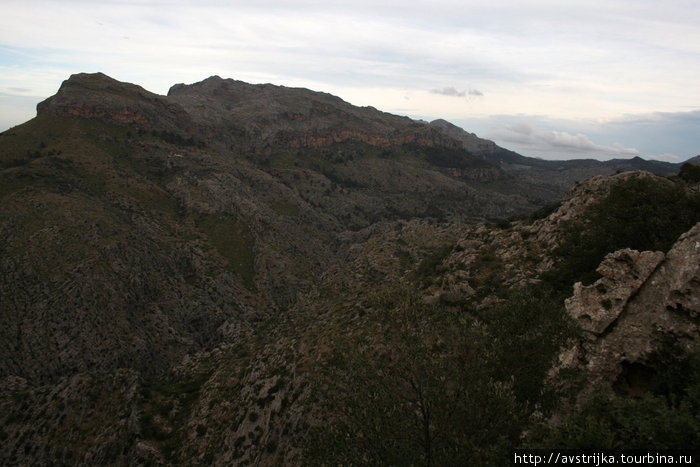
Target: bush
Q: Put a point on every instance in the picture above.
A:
(690, 172)
(415, 385)
(621, 423)
(543, 212)
(526, 331)
(639, 213)
(665, 417)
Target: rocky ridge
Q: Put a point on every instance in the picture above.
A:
(243, 402)
(266, 117)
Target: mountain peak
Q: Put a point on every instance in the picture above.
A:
(85, 83)
(98, 96)
(90, 77)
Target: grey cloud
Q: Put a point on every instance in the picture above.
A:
(449, 92)
(670, 136)
(560, 144)
(452, 92)
(659, 132)
(683, 118)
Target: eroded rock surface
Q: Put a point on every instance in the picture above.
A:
(597, 306)
(642, 300)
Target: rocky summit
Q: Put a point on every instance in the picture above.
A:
(239, 274)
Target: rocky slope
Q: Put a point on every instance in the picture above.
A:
(268, 117)
(97, 96)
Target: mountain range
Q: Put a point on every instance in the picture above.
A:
(237, 274)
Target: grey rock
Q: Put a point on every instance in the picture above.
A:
(597, 306)
(654, 296)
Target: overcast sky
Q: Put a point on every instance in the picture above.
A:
(551, 79)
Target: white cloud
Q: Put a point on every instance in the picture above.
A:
(665, 157)
(533, 141)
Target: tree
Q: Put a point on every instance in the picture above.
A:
(412, 385)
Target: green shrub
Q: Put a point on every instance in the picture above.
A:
(690, 173)
(543, 212)
(428, 267)
(622, 423)
(526, 331)
(665, 417)
(419, 384)
(639, 213)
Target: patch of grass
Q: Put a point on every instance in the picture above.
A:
(171, 398)
(153, 198)
(543, 212)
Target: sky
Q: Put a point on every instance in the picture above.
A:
(546, 78)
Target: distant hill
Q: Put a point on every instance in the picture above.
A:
(559, 176)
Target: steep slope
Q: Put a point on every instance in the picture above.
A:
(97, 96)
(272, 398)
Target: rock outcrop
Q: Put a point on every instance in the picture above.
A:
(596, 307)
(97, 96)
(642, 298)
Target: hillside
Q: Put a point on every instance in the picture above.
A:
(238, 273)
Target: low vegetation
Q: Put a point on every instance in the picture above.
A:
(639, 213)
(412, 383)
(664, 417)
